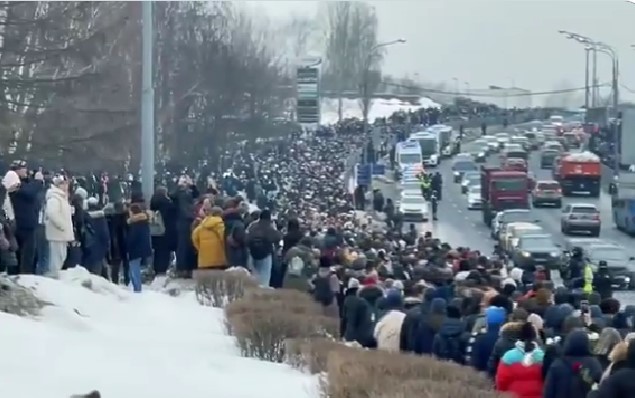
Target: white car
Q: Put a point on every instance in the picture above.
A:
(414, 207)
(492, 142)
(502, 139)
(474, 201)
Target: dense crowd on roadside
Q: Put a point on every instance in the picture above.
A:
(284, 211)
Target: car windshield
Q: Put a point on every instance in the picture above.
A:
(548, 186)
(537, 243)
(471, 176)
(412, 200)
(475, 190)
(409, 158)
(608, 254)
(516, 216)
(464, 166)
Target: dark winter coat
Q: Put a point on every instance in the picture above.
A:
(448, 343)
(236, 254)
(264, 229)
(483, 347)
(555, 316)
(509, 334)
(139, 239)
(429, 325)
(356, 323)
(26, 204)
(411, 322)
(184, 201)
(95, 253)
(167, 208)
(576, 357)
(290, 239)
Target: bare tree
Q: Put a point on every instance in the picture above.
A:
(352, 56)
(300, 32)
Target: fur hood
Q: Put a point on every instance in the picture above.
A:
(619, 352)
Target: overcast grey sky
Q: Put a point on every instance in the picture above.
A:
(496, 42)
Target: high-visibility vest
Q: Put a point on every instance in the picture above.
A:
(588, 279)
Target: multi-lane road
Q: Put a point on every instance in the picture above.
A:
(462, 227)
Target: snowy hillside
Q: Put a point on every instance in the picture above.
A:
(351, 108)
(98, 336)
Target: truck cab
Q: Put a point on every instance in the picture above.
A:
(501, 190)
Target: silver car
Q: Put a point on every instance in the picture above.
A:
(474, 201)
(581, 217)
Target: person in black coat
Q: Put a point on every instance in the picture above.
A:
(429, 326)
(139, 243)
(602, 281)
(413, 317)
(97, 238)
(289, 240)
(356, 322)
(164, 245)
(620, 384)
(184, 198)
(235, 235)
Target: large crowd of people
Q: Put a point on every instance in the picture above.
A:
(285, 212)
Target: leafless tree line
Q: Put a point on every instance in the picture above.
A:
(71, 80)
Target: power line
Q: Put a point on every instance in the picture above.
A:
(470, 93)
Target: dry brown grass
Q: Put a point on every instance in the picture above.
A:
(218, 288)
(311, 355)
(435, 389)
(360, 373)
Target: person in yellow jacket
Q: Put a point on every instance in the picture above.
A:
(209, 241)
(588, 279)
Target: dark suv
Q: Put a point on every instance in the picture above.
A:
(621, 266)
(537, 249)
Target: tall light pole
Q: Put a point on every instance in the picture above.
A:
(598, 46)
(588, 48)
(147, 102)
(467, 89)
(587, 91)
(457, 92)
(366, 94)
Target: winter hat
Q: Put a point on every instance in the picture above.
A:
(10, 179)
(495, 315)
(453, 312)
(536, 320)
(353, 283)
(325, 262)
(393, 299)
(516, 274)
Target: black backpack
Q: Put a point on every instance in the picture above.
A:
(259, 247)
(451, 348)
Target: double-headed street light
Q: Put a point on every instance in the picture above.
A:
(598, 46)
(590, 97)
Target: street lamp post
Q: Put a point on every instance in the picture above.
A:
(587, 89)
(598, 46)
(457, 92)
(147, 102)
(588, 48)
(366, 97)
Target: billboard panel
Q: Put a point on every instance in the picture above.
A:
(308, 95)
(627, 137)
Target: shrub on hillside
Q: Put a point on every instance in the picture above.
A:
(217, 288)
(311, 354)
(285, 295)
(18, 300)
(262, 334)
(435, 389)
(361, 373)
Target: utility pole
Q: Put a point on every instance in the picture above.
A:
(595, 99)
(587, 88)
(147, 101)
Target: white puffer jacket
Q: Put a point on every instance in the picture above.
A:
(388, 330)
(58, 221)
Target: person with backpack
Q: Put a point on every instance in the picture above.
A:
(449, 342)
(574, 373)
(235, 234)
(519, 371)
(325, 287)
(162, 229)
(262, 238)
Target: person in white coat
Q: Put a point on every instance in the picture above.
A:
(58, 224)
(388, 329)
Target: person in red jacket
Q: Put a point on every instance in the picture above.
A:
(520, 369)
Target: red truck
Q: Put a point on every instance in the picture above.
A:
(579, 173)
(502, 190)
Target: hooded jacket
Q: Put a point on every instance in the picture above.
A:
(139, 239)
(575, 363)
(356, 320)
(208, 239)
(58, 219)
(388, 328)
(429, 325)
(26, 203)
(520, 372)
(621, 384)
(100, 243)
(412, 320)
(483, 347)
(449, 341)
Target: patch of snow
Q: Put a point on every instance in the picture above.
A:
(379, 107)
(98, 336)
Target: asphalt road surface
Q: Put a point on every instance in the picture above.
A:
(549, 218)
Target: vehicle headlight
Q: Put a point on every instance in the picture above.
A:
(526, 254)
(481, 154)
(627, 279)
(434, 157)
(457, 173)
(554, 254)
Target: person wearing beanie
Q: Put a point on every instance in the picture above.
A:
(326, 287)
(519, 371)
(388, 328)
(413, 318)
(574, 372)
(356, 322)
(482, 344)
(448, 342)
(510, 333)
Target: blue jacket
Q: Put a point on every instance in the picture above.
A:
(429, 325)
(139, 239)
(26, 204)
(449, 343)
(483, 347)
(576, 355)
